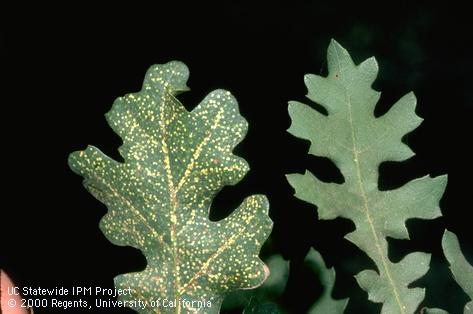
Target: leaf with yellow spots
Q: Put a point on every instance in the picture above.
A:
(264, 296)
(263, 299)
(158, 199)
(358, 142)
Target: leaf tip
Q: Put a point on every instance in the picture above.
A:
(443, 180)
(448, 236)
(290, 106)
(411, 99)
(172, 76)
(334, 44)
(73, 157)
(308, 78)
(291, 177)
(336, 48)
(264, 201)
(370, 64)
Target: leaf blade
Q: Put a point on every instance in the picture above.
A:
(462, 270)
(325, 303)
(158, 200)
(357, 143)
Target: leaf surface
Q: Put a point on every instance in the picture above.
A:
(158, 199)
(267, 293)
(357, 142)
(325, 303)
(462, 270)
(263, 299)
(433, 311)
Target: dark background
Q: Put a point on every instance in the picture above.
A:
(62, 67)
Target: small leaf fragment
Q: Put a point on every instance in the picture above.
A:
(267, 293)
(433, 311)
(325, 303)
(462, 270)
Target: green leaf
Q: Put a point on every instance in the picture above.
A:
(433, 311)
(357, 143)
(462, 271)
(255, 307)
(270, 290)
(325, 303)
(262, 300)
(159, 199)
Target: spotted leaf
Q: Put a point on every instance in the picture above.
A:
(158, 199)
(358, 142)
(265, 296)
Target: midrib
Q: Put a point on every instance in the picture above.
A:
(366, 208)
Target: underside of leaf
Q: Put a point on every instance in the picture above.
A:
(357, 142)
(158, 199)
(462, 270)
(325, 303)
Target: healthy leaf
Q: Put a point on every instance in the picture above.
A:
(357, 142)
(158, 199)
(325, 303)
(433, 311)
(462, 270)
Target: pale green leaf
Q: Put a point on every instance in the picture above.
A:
(357, 143)
(325, 303)
(433, 311)
(462, 270)
(158, 199)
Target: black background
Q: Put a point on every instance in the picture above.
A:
(62, 67)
